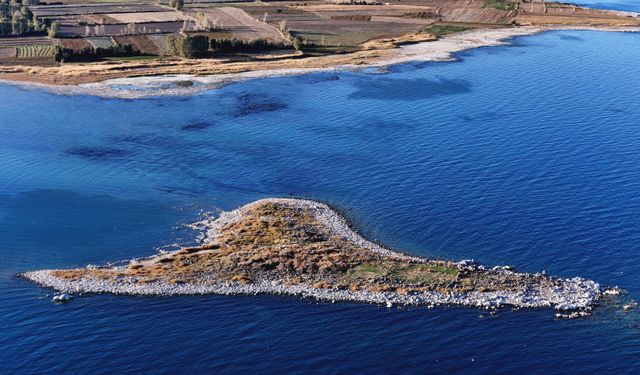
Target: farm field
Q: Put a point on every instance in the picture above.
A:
(24, 41)
(75, 44)
(239, 23)
(92, 8)
(72, 31)
(101, 42)
(35, 52)
(146, 17)
(7, 52)
(328, 26)
(140, 43)
(25, 48)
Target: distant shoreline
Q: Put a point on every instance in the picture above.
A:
(189, 84)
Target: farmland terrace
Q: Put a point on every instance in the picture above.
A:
(170, 35)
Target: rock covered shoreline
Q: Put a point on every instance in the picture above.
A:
(304, 248)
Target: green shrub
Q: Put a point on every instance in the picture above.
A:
(54, 30)
(297, 43)
(177, 4)
(440, 30)
(500, 4)
(187, 46)
(5, 26)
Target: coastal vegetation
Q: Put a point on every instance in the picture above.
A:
(237, 45)
(91, 53)
(444, 29)
(418, 275)
(194, 46)
(501, 4)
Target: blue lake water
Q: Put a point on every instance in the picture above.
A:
(526, 155)
(624, 5)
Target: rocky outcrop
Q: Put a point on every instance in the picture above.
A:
(301, 247)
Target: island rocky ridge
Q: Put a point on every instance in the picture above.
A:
(304, 248)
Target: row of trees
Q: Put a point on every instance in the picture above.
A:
(236, 45)
(187, 45)
(91, 53)
(16, 18)
(190, 46)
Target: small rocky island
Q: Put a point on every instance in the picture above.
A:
(304, 248)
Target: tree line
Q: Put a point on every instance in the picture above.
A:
(191, 46)
(16, 18)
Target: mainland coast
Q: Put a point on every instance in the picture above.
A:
(124, 80)
(188, 77)
(100, 51)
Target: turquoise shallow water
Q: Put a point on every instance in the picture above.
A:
(525, 155)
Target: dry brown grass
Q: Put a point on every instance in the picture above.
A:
(275, 241)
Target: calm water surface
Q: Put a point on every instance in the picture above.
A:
(624, 5)
(526, 155)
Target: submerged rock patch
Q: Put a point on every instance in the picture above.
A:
(409, 89)
(97, 152)
(196, 126)
(250, 104)
(321, 78)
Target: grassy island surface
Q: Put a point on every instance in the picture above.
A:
(301, 247)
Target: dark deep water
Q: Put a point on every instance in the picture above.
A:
(526, 155)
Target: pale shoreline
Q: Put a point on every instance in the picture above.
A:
(164, 85)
